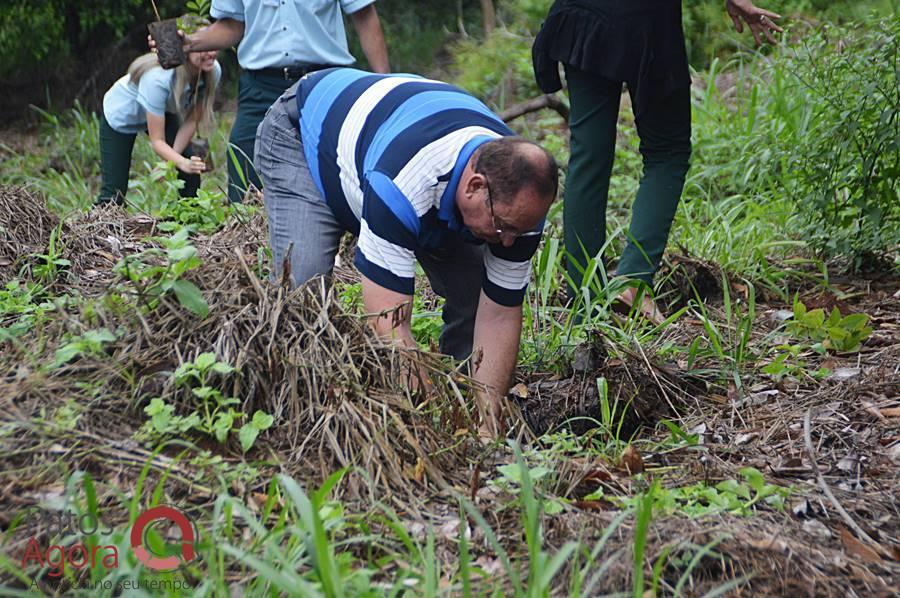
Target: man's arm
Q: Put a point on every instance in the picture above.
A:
(391, 313)
(221, 35)
(394, 324)
(371, 37)
(495, 349)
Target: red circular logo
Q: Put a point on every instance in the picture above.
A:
(188, 538)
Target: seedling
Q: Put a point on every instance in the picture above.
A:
(92, 342)
(215, 416)
(836, 333)
(153, 281)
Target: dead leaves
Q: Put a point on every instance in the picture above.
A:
(890, 412)
(631, 461)
(858, 549)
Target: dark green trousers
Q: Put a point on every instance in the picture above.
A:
(664, 129)
(115, 162)
(256, 93)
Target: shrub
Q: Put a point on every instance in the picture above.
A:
(846, 168)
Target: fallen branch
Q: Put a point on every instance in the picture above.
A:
(547, 100)
(807, 438)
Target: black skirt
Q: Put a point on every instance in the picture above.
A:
(640, 42)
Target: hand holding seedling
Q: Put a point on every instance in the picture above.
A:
(759, 20)
(221, 35)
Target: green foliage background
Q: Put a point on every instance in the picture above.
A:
(39, 34)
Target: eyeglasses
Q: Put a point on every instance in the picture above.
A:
(497, 228)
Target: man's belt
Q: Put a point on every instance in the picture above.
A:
(290, 72)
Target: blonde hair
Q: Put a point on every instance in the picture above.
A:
(200, 105)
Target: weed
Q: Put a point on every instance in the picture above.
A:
(153, 281)
(701, 499)
(92, 342)
(22, 306)
(835, 333)
(51, 262)
(215, 416)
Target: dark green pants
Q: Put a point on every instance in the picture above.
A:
(115, 162)
(664, 129)
(256, 93)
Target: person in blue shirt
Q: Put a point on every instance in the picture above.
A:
(279, 42)
(421, 171)
(169, 105)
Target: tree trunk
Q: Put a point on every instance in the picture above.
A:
(490, 17)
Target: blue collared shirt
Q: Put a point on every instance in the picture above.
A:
(126, 105)
(290, 32)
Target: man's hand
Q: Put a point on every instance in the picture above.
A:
(495, 348)
(760, 21)
(221, 35)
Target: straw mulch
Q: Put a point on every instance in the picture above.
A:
(336, 393)
(338, 401)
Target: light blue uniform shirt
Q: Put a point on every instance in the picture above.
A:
(126, 105)
(290, 32)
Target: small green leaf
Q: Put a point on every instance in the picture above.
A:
(262, 420)
(156, 406)
(222, 425)
(204, 392)
(247, 436)
(754, 478)
(204, 361)
(221, 368)
(68, 352)
(190, 297)
(182, 253)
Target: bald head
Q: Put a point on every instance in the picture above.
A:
(513, 165)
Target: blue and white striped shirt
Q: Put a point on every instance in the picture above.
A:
(387, 153)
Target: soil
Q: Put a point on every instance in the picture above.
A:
(200, 148)
(169, 45)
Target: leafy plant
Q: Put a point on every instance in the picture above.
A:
(511, 480)
(92, 342)
(247, 435)
(153, 281)
(164, 422)
(788, 363)
(205, 213)
(21, 305)
(215, 416)
(728, 496)
(196, 17)
(51, 263)
(848, 164)
(835, 333)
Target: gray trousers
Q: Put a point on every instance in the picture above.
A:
(298, 215)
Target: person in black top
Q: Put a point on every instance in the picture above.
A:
(601, 44)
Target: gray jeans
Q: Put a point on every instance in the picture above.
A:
(298, 215)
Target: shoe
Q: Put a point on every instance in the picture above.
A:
(624, 304)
